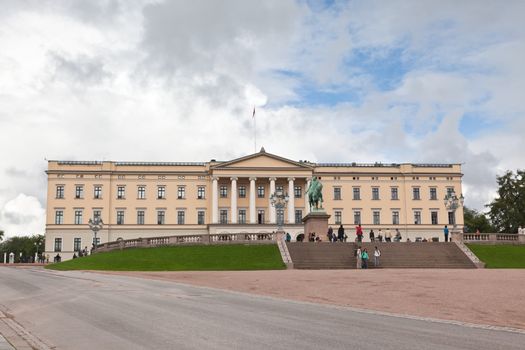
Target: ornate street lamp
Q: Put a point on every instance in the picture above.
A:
(453, 202)
(279, 199)
(95, 225)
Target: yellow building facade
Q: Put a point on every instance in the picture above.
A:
(153, 199)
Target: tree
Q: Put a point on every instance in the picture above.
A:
(1, 235)
(475, 220)
(22, 244)
(507, 212)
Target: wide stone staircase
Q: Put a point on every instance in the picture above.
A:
(308, 255)
(320, 256)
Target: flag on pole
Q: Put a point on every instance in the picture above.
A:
(253, 115)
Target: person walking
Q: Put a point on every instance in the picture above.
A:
(377, 254)
(372, 236)
(365, 259)
(359, 257)
(359, 233)
(330, 234)
(380, 236)
(388, 235)
(340, 233)
(445, 231)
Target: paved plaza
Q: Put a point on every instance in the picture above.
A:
(86, 310)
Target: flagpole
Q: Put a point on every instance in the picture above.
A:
(254, 132)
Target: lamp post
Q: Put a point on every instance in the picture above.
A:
(95, 225)
(37, 244)
(279, 199)
(453, 202)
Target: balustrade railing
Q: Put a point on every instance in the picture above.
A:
(217, 238)
(492, 237)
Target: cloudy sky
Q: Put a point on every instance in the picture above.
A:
(365, 81)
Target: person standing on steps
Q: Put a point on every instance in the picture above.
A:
(330, 234)
(377, 254)
(372, 236)
(340, 233)
(359, 256)
(359, 233)
(445, 231)
(365, 259)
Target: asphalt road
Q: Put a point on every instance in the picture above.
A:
(78, 310)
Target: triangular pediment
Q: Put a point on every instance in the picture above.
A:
(262, 160)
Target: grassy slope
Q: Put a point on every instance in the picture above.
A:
(181, 258)
(500, 256)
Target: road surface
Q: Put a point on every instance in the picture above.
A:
(81, 310)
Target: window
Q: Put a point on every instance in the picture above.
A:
(78, 217)
(59, 217)
(433, 193)
(260, 191)
(79, 192)
(97, 192)
(394, 193)
(58, 244)
(260, 216)
(298, 216)
(337, 193)
(77, 244)
(161, 192)
(417, 217)
(200, 217)
(201, 192)
(297, 191)
(60, 192)
(223, 191)
(415, 193)
(242, 216)
(121, 192)
(96, 241)
(242, 191)
(140, 217)
(120, 217)
(450, 190)
(181, 192)
(375, 193)
(223, 219)
(376, 217)
(97, 214)
(181, 217)
(395, 218)
(357, 193)
(161, 215)
(451, 218)
(279, 189)
(434, 217)
(357, 217)
(338, 217)
(141, 192)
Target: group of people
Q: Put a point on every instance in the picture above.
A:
(363, 257)
(342, 237)
(81, 253)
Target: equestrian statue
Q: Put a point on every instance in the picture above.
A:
(315, 194)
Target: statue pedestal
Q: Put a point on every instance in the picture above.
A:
(316, 221)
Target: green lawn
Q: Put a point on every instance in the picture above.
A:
(500, 256)
(181, 258)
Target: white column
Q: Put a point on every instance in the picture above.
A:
(306, 203)
(253, 214)
(291, 202)
(215, 200)
(234, 213)
(270, 206)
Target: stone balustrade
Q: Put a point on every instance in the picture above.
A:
(490, 238)
(219, 238)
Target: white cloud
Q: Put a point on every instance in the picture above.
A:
(154, 80)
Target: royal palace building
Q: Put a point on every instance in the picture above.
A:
(153, 199)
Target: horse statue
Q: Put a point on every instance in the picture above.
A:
(315, 194)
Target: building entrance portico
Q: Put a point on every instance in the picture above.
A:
(241, 194)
